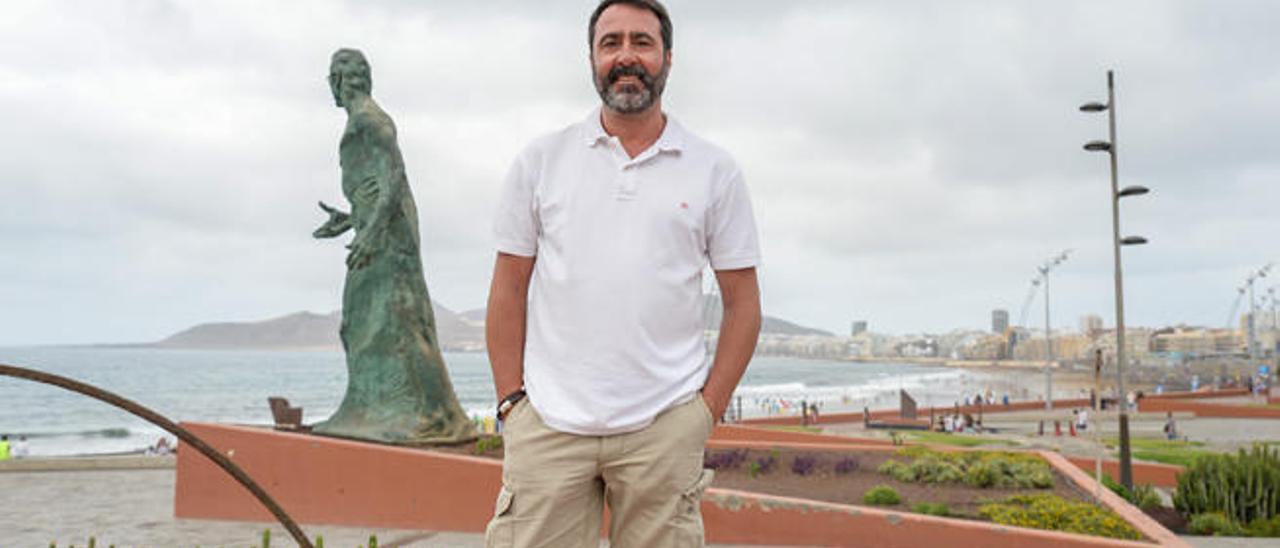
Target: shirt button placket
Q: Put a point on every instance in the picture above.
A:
(627, 181)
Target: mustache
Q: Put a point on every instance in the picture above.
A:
(634, 70)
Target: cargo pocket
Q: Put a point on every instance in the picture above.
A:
(500, 532)
(687, 522)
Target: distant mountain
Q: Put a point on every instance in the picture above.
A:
(299, 330)
(310, 330)
(307, 330)
(779, 326)
(475, 316)
(769, 325)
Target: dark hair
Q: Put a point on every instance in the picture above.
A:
(654, 6)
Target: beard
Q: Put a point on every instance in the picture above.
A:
(631, 99)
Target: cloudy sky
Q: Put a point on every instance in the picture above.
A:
(911, 163)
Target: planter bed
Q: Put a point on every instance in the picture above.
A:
(825, 484)
(844, 475)
(342, 482)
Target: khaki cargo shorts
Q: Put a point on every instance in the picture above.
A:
(556, 485)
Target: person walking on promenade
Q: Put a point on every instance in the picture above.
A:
(595, 317)
(20, 448)
(4, 448)
(1170, 427)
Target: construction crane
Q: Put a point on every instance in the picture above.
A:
(1041, 272)
(1026, 303)
(1235, 306)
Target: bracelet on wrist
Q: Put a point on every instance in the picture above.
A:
(509, 402)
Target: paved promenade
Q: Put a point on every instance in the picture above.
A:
(128, 501)
(134, 507)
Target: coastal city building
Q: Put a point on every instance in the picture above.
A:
(999, 320)
(1091, 324)
(1196, 341)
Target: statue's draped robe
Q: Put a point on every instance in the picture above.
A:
(398, 389)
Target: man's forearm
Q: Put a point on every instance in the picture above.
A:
(505, 323)
(739, 330)
(504, 335)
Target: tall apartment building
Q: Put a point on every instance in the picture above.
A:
(999, 320)
(1091, 324)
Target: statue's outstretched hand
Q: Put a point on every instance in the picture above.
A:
(338, 223)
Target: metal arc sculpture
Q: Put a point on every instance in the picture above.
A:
(171, 427)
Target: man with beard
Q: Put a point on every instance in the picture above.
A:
(595, 320)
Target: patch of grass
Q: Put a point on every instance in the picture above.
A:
(1154, 443)
(1176, 452)
(958, 440)
(1177, 458)
(931, 509)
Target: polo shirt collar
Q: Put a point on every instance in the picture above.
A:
(671, 140)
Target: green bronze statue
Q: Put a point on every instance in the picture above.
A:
(398, 390)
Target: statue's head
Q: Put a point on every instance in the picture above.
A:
(349, 72)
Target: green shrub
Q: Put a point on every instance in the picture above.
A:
(983, 474)
(1214, 524)
(897, 470)
(981, 469)
(1245, 486)
(932, 509)
(1145, 496)
(1142, 496)
(881, 495)
(933, 470)
(488, 443)
(1264, 527)
(1051, 512)
(1116, 487)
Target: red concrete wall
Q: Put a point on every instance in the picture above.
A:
(1205, 409)
(1202, 394)
(330, 481)
(338, 482)
(1162, 475)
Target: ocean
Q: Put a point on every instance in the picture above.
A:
(229, 386)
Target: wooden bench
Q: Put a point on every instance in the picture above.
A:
(286, 417)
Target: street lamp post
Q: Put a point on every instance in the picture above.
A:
(1126, 463)
(1253, 312)
(1044, 270)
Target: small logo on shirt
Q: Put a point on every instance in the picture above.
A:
(684, 205)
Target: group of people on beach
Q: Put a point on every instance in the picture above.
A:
(988, 398)
(956, 424)
(17, 450)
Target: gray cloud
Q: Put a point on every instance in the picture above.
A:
(911, 163)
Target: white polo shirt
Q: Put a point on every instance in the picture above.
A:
(614, 330)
